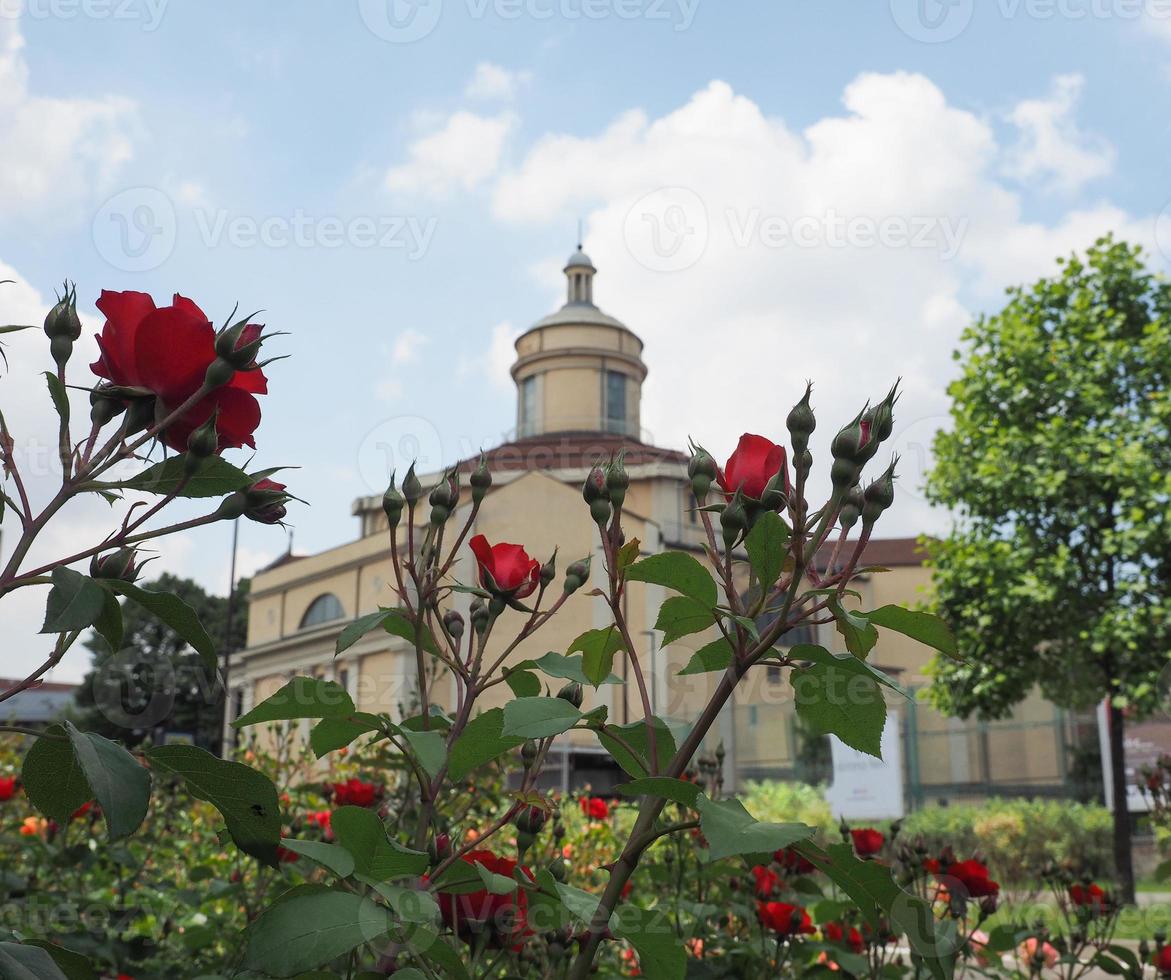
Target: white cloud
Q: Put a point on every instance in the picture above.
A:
(1051, 147)
(406, 347)
(460, 155)
(490, 82)
(495, 362)
(56, 150)
(898, 225)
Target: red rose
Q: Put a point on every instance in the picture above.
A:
(973, 875)
(505, 569)
(867, 841)
(266, 502)
(932, 866)
(167, 350)
(82, 810)
(1162, 960)
(502, 916)
(355, 792)
(835, 932)
(1089, 896)
(755, 461)
(794, 861)
(784, 919)
(594, 807)
(766, 880)
(322, 820)
(286, 856)
(7, 788)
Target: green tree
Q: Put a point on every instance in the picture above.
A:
(155, 681)
(1057, 573)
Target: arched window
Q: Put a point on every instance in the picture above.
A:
(324, 609)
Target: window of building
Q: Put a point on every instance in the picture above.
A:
(615, 401)
(324, 609)
(528, 406)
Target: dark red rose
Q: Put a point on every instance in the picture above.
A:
(355, 792)
(266, 502)
(755, 461)
(1162, 960)
(867, 841)
(7, 788)
(594, 807)
(835, 932)
(932, 866)
(84, 809)
(284, 855)
(167, 350)
(767, 880)
(784, 919)
(973, 875)
(505, 569)
(1089, 897)
(501, 917)
(322, 819)
(793, 861)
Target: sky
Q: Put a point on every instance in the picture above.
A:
(772, 192)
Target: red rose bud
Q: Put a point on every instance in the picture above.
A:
(453, 622)
(594, 487)
(392, 504)
(239, 344)
(576, 575)
(506, 570)
(265, 502)
(755, 461)
(573, 693)
(1162, 960)
(531, 819)
(733, 520)
(412, 488)
(481, 480)
(879, 495)
(702, 471)
(617, 481)
(776, 493)
(867, 841)
(121, 565)
(439, 849)
(854, 441)
(801, 423)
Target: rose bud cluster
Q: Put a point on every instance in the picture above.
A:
(393, 503)
(702, 470)
(856, 444)
(121, 565)
(444, 498)
(576, 575)
(63, 327)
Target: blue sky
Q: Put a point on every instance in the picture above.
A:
(853, 183)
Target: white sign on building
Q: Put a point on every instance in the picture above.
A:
(866, 788)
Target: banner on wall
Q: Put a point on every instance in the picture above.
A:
(1142, 744)
(866, 788)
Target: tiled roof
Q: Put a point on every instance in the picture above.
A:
(573, 450)
(883, 552)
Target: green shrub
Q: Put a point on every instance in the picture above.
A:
(779, 802)
(1018, 837)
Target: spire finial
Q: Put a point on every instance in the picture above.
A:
(579, 235)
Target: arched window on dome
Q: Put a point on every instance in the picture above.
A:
(324, 609)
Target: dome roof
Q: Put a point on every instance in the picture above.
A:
(579, 260)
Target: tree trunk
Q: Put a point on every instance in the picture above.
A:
(1123, 863)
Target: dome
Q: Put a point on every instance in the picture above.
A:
(579, 260)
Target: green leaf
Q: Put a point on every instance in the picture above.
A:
(921, 626)
(331, 734)
(109, 622)
(246, 799)
(539, 717)
(18, 962)
(857, 631)
(839, 696)
(679, 571)
(568, 668)
(767, 545)
(361, 833)
(302, 697)
(581, 904)
(494, 883)
(430, 749)
(116, 780)
(175, 613)
(397, 623)
(597, 648)
(675, 790)
(874, 891)
(634, 735)
(73, 965)
(75, 602)
(652, 934)
(332, 857)
(717, 655)
(524, 683)
(52, 776)
(309, 930)
(358, 629)
(680, 616)
(1163, 871)
(215, 477)
(481, 741)
(730, 829)
(59, 395)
